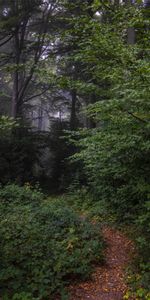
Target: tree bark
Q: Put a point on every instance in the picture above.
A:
(14, 103)
(14, 96)
(73, 118)
(130, 30)
(130, 36)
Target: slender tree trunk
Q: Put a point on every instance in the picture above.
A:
(15, 91)
(130, 30)
(130, 36)
(14, 101)
(40, 118)
(73, 118)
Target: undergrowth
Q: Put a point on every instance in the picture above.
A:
(44, 244)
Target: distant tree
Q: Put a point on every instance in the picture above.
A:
(28, 32)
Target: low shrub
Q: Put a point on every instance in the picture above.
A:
(139, 272)
(79, 198)
(143, 243)
(12, 193)
(42, 248)
(143, 223)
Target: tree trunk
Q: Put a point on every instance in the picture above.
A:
(73, 119)
(14, 96)
(130, 30)
(15, 91)
(130, 36)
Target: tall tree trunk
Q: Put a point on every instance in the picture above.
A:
(40, 118)
(14, 101)
(73, 118)
(14, 104)
(130, 36)
(90, 122)
(130, 30)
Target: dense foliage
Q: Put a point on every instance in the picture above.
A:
(28, 156)
(12, 194)
(116, 152)
(89, 63)
(43, 244)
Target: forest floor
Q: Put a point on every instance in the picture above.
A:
(108, 282)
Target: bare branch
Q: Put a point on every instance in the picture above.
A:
(36, 95)
(6, 41)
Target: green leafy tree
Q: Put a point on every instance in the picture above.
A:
(116, 152)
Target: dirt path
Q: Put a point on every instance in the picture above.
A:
(108, 282)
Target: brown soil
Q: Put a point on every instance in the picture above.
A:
(108, 281)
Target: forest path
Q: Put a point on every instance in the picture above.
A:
(108, 281)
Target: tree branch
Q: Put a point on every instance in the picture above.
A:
(37, 95)
(6, 41)
(137, 118)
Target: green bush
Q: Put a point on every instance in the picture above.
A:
(116, 162)
(42, 248)
(143, 243)
(143, 223)
(12, 194)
